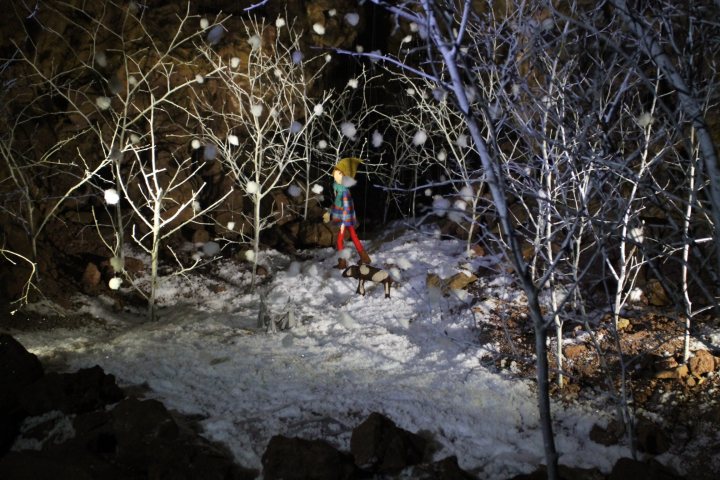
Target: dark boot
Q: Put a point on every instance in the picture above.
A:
(342, 264)
(364, 257)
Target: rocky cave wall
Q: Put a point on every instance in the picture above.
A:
(56, 131)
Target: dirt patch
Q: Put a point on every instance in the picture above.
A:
(675, 404)
(24, 321)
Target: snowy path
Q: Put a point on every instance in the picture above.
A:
(408, 357)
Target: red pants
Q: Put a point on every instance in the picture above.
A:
(353, 237)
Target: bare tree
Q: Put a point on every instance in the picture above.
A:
(163, 209)
(119, 98)
(690, 103)
(28, 165)
(432, 156)
(571, 150)
(685, 58)
(267, 106)
(446, 32)
(13, 258)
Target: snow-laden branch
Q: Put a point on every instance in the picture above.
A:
(443, 43)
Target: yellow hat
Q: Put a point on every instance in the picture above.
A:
(348, 166)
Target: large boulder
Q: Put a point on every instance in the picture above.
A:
(142, 430)
(381, 446)
(565, 473)
(147, 438)
(18, 369)
(445, 469)
(702, 363)
(79, 392)
(651, 437)
(135, 439)
(39, 466)
(629, 469)
(79, 426)
(299, 459)
(610, 435)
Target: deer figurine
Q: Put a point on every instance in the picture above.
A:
(367, 273)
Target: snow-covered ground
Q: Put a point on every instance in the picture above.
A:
(414, 357)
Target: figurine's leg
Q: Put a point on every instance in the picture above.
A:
(339, 241)
(342, 263)
(364, 257)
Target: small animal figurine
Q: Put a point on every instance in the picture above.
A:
(364, 273)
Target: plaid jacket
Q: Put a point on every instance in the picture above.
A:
(343, 210)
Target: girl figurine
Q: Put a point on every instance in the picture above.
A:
(343, 210)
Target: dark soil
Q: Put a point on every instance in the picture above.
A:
(675, 410)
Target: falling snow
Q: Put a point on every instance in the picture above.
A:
(348, 129)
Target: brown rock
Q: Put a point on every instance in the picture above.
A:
(200, 236)
(235, 201)
(133, 265)
(629, 469)
(651, 438)
(135, 439)
(78, 392)
(702, 363)
(664, 363)
(460, 281)
(682, 371)
(383, 447)
(445, 469)
(13, 280)
(433, 280)
(574, 352)
(565, 473)
(282, 208)
(679, 372)
(142, 423)
(656, 294)
(608, 436)
(230, 225)
(664, 374)
(316, 234)
(528, 251)
(91, 277)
